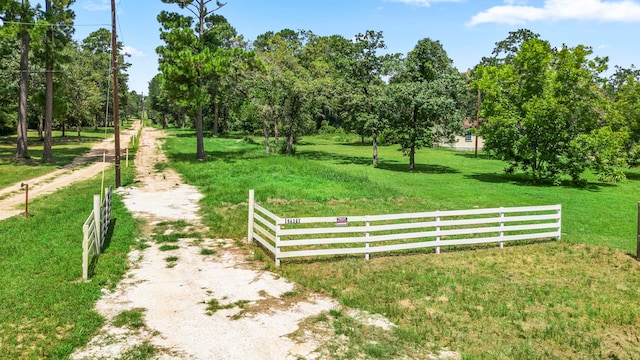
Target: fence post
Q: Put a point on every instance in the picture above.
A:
(97, 217)
(106, 220)
(277, 253)
(251, 213)
(437, 231)
(501, 227)
(366, 235)
(560, 223)
(85, 252)
(638, 244)
(127, 157)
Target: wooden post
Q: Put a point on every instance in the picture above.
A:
(251, 216)
(501, 227)
(366, 245)
(85, 252)
(98, 221)
(116, 93)
(276, 255)
(559, 223)
(437, 231)
(26, 200)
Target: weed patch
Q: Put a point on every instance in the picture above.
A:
(130, 318)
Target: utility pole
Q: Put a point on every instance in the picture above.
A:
(142, 115)
(116, 110)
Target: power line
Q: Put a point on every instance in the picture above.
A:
(51, 25)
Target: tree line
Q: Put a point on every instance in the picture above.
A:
(49, 81)
(551, 112)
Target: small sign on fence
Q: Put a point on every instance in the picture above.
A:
(292, 221)
(342, 221)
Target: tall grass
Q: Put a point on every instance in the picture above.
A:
(575, 298)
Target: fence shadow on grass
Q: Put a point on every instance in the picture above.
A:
(107, 238)
(427, 252)
(93, 264)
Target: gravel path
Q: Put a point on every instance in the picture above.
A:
(174, 296)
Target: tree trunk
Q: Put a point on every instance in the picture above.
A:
(216, 118)
(200, 136)
(47, 153)
(290, 139)
(412, 158)
(79, 129)
(164, 121)
(63, 128)
(374, 135)
(276, 132)
(412, 148)
(22, 151)
(265, 133)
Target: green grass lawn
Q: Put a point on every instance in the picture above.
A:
(47, 310)
(577, 298)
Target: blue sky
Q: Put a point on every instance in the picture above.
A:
(468, 29)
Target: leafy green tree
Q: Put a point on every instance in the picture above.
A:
(9, 62)
(427, 94)
(285, 90)
(83, 95)
(58, 20)
(96, 48)
(189, 59)
(538, 103)
(364, 68)
(23, 13)
(158, 101)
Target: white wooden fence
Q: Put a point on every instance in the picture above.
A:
(95, 230)
(342, 235)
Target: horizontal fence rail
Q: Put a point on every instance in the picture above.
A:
(95, 230)
(345, 235)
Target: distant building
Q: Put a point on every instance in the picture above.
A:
(463, 143)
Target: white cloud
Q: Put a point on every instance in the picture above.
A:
(98, 5)
(554, 10)
(132, 51)
(425, 3)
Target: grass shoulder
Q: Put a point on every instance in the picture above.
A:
(47, 310)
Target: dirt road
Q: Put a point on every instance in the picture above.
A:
(13, 198)
(197, 305)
